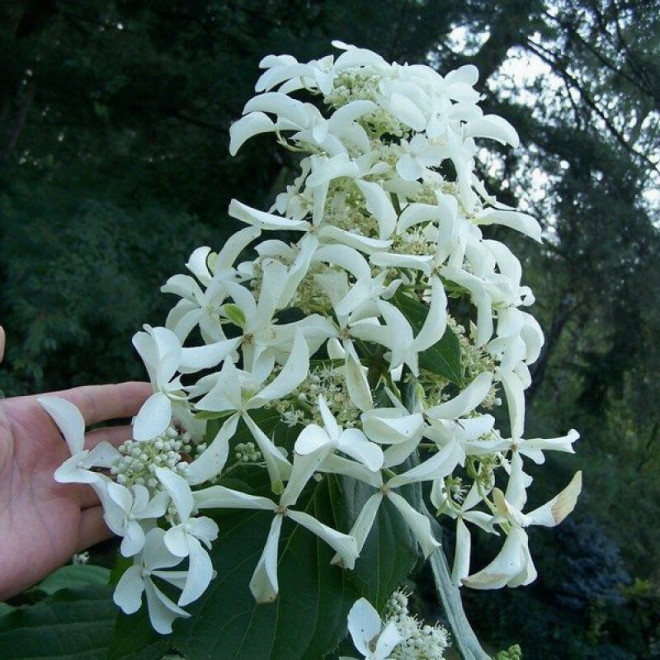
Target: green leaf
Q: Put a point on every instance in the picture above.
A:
(5, 608)
(70, 624)
(77, 575)
(135, 639)
(444, 357)
(307, 620)
(390, 552)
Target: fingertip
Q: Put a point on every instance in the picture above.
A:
(99, 403)
(92, 529)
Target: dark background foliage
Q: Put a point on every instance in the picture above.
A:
(114, 122)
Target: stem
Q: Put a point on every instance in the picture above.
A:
(466, 642)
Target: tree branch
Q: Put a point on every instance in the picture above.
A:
(553, 60)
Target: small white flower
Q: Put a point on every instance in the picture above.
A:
(351, 442)
(373, 640)
(163, 356)
(127, 512)
(183, 539)
(78, 468)
(138, 580)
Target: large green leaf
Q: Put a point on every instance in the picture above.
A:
(135, 639)
(390, 552)
(72, 624)
(444, 357)
(307, 620)
(75, 575)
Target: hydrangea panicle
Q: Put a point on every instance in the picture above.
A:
(380, 324)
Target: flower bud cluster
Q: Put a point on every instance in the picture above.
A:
(247, 453)
(139, 460)
(419, 641)
(378, 321)
(399, 636)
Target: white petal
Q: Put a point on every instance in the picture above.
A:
(210, 463)
(204, 357)
(363, 624)
(279, 468)
(121, 496)
(155, 553)
(407, 111)
(234, 245)
(508, 564)
(176, 541)
(416, 213)
(419, 524)
(204, 529)
(365, 520)
(521, 222)
(515, 400)
(408, 168)
(153, 418)
(311, 438)
(68, 419)
(367, 245)
(326, 169)
(461, 568)
(493, 127)
(554, 511)
(262, 219)
(330, 423)
(534, 447)
(391, 425)
(380, 206)
(393, 260)
(304, 467)
(436, 467)
(293, 373)
(354, 443)
(104, 455)
(71, 471)
(387, 640)
(200, 573)
(344, 544)
(133, 540)
(179, 491)
(357, 384)
(436, 319)
(219, 497)
(162, 611)
(466, 401)
(264, 585)
(248, 126)
(128, 592)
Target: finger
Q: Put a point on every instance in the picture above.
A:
(87, 497)
(92, 528)
(2, 342)
(115, 435)
(99, 403)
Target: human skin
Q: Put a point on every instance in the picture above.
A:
(44, 523)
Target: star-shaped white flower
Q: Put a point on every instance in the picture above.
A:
(79, 468)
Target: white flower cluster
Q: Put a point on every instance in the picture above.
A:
(316, 329)
(399, 637)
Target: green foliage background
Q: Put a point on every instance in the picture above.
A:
(114, 122)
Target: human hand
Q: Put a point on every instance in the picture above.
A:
(44, 523)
